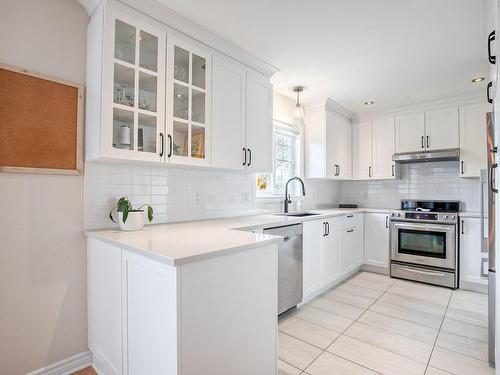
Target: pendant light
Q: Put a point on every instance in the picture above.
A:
(298, 112)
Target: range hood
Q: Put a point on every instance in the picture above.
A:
(451, 154)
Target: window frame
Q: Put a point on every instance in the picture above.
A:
(289, 130)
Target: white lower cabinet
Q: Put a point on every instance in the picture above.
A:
(352, 247)
(148, 317)
(376, 240)
(473, 263)
(332, 249)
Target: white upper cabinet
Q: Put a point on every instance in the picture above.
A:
(328, 145)
(432, 130)
(228, 114)
(473, 139)
(188, 103)
(441, 129)
(410, 132)
(373, 147)
(150, 96)
(383, 148)
(362, 151)
(125, 86)
(259, 127)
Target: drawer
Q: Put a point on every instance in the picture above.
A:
(351, 220)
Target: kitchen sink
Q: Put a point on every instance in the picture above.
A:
(299, 214)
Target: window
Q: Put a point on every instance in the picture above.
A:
(286, 151)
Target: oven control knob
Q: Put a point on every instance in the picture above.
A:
(452, 217)
(446, 217)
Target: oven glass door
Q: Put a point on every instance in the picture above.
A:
(424, 244)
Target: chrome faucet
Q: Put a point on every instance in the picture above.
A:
(288, 199)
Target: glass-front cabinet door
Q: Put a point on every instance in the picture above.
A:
(188, 103)
(137, 68)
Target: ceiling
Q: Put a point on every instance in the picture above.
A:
(395, 52)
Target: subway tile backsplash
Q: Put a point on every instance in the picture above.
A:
(437, 180)
(178, 194)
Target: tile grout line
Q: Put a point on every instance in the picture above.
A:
(439, 331)
(343, 333)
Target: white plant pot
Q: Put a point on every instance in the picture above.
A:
(135, 221)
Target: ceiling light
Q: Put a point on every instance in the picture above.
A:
(180, 96)
(478, 79)
(369, 102)
(298, 112)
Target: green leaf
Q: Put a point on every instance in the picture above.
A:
(150, 213)
(125, 214)
(123, 204)
(111, 215)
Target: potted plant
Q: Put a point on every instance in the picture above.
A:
(130, 218)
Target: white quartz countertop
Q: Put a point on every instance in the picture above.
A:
(190, 241)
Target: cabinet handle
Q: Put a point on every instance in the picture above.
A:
(490, 178)
(327, 228)
(340, 171)
(349, 216)
(462, 166)
(427, 141)
(171, 146)
(393, 170)
(463, 227)
(244, 156)
(337, 168)
(350, 230)
(162, 143)
(387, 221)
(491, 58)
(370, 171)
(324, 229)
(423, 142)
(249, 157)
(490, 84)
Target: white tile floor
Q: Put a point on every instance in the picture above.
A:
(374, 324)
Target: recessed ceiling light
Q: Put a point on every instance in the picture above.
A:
(180, 96)
(369, 102)
(478, 79)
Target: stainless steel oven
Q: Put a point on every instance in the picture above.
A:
(424, 242)
(432, 245)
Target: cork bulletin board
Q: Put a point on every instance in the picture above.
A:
(41, 123)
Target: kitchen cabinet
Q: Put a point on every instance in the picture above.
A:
(228, 114)
(473, 139)
(473, 263)
(352, 249)
(376, 238)
(383, 130)
(188, 103)
(410, 130)
(433, 130)
(137, 304)
(150, 97)
(328, 145)
(259, 127)
(441, 129)
(321, 255)
(373, 147)
(125, 86)
(362, 151)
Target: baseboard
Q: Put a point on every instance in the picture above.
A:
(474, 287)
(375, 269)
(66, 366)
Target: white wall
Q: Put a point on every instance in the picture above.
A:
(178, 194)
(42, 255)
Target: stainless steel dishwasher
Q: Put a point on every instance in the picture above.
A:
(289, 265)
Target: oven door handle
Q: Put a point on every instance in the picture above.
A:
(423, 272)
(421, 226)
